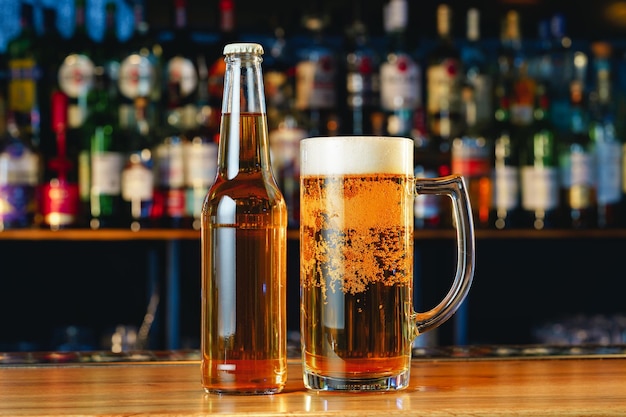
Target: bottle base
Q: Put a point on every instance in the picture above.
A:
(260, 391)
(317, 382)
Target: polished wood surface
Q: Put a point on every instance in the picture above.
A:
(293, 234)
(582, 386)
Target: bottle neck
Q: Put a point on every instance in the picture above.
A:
(80, 18)
(26, 21)
(180, 14)
(244, 145)
(243, 84)
(397, 40)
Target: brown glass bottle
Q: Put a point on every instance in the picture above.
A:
(243, 243)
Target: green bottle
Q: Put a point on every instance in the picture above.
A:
(540, 170)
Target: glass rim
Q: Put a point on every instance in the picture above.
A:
(357, 137)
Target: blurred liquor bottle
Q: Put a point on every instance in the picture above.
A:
(478, 72)
(180, 74)
(214, 57)
(59, 192)
(137, 178)
(577, 165)
(563, 73)
(24, 79)
(140, 73)
(400, 75)
(508, 55)
(20, 157)
(286, 126)
(169, 191)
(362, 64)
(200, 152)
(180, 108)
(471, 156)
(606, 146)
(105, 152)
(19, 178)
(76, 79)
(539, 170)
(52, 54)
(317, 76)
(444, 77)
(506, 175)
(102, 129)
(540, 62)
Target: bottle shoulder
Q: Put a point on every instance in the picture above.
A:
(253, 186)
(226, 201)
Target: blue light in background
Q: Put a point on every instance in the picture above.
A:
(95, 18)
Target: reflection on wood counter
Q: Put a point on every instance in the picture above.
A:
(582, 386)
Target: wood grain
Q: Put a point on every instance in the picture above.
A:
(514, 387)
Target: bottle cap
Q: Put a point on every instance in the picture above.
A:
(252, 48)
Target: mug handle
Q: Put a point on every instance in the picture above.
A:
(454, 187)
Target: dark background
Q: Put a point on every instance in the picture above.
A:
(597, 18)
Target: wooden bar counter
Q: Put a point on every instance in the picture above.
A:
(555, 385)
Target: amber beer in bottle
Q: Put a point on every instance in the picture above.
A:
(243, 242)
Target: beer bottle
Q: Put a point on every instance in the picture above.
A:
(243, 244)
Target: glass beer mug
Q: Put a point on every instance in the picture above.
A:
(358, 322)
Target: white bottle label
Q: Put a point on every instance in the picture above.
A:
(442, 85)
(483, 89)
(577, 169)
(181, 72)
(170, 164)
(137, 76)
(540, 188)
(315, 83)
(106, 169)
(506, 187)
(76, 75)
(137, 183)
(400, 83)
(22, 169)
(200, 164)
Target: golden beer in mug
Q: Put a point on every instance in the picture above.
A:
(358, 323)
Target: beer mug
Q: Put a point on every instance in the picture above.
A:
(358, 322)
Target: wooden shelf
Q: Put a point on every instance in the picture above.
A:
(188, 234)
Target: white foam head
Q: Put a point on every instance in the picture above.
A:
(340, 155)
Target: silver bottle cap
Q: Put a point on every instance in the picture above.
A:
(252, 48)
